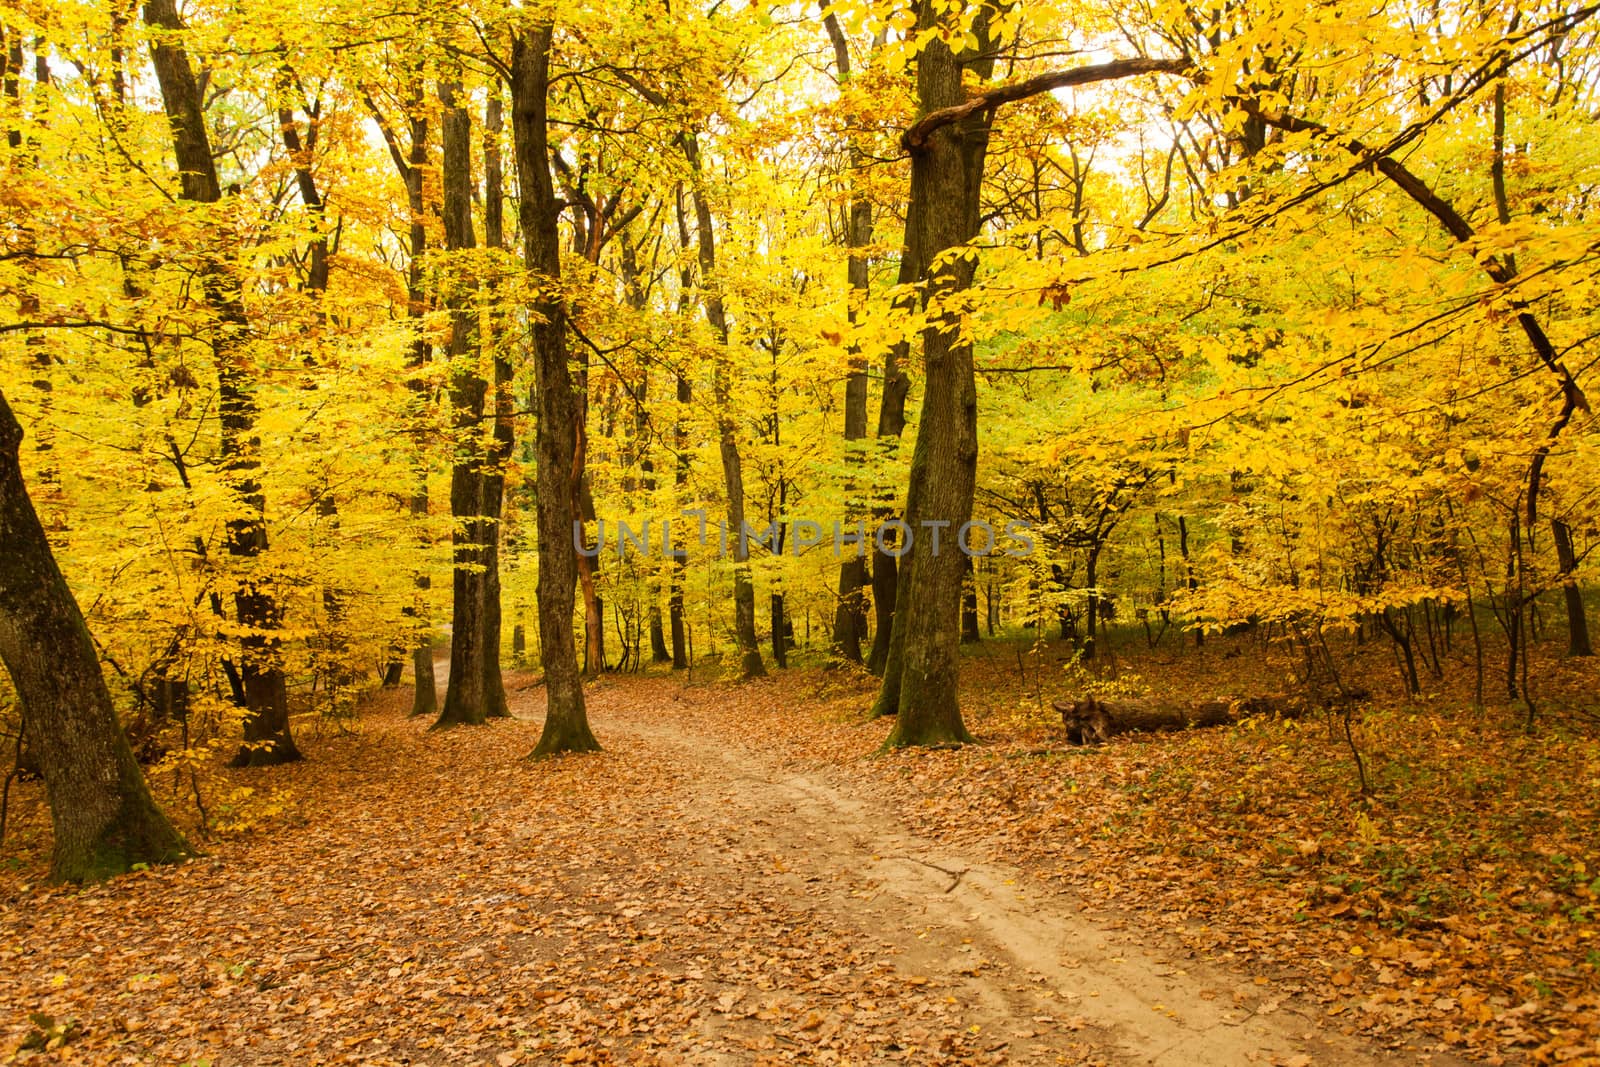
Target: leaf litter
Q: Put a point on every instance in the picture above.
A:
(737, 879)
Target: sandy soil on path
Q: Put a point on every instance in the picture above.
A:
(1045, 984)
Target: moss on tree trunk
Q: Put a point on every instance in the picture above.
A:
(104, 817)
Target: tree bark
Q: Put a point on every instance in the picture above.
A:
(920, 675)
(744, 590)
(502, 439)
(969, 605)
(411, 164)
(104, 817)
(559, 437)
(891, 424)
(425, 696)
(474, 691)
(1577, 620)
(267, 735)
(850, 620)
(947, 145)
(1090, 720)
(594, 619)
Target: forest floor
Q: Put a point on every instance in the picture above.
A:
(739, 879)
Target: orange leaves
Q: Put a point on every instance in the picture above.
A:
(733, 879)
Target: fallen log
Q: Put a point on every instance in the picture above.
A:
(1090, 720)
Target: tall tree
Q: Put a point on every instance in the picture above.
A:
(559, 434)
(497, 452)
(104, 817)
(267, 735)
(474, 692)
(849, 620)
(411, 161)
(920, 673)
(948, 144)
(744, 590)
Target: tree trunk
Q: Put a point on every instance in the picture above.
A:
(1190, 579)
(425, 695)
(991, 606)
(780, 630)
(104, 817)
(559, 436)
(1091, 720)
(849, 615)
(594, 619)
(267, 735)
(891, 423)
(425, 700)
(1577, 621)
(849, 619)
(744, 590)
(502, 439)
(969, 605)
(920, 676)
(658, 633)
(680, 649)
(474, 691)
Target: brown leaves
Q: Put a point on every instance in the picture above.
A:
(436, 897)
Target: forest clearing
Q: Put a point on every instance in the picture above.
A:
(837, 531)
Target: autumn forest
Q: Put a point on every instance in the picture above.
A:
(929, 531)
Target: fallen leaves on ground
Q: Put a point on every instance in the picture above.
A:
(436, 897)
(439, 898)
(1460, 901)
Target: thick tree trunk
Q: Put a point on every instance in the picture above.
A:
(267, 736)
(885, 580)
(425, 700)
(559, 436)
(849, 615)
(658, 633)
(474, 691)
(921, 674)
(781, 630)
(104, 817)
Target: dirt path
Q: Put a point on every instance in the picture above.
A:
(1042, 982)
